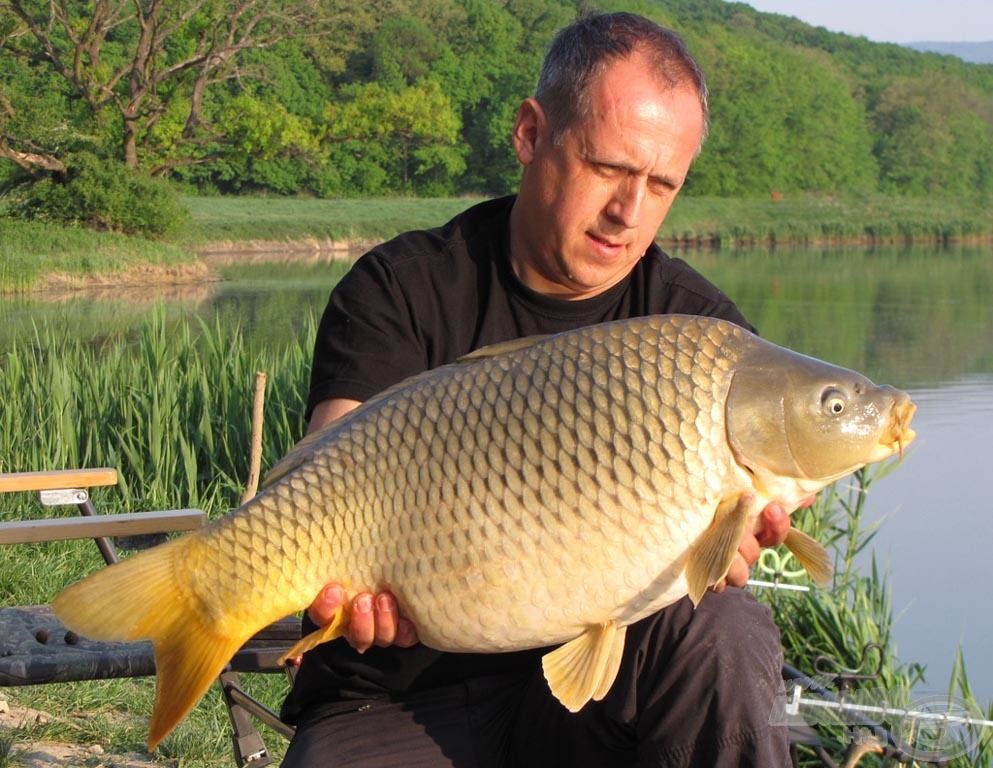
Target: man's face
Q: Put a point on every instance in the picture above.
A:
(591, 204)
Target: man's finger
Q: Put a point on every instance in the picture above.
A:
(775, 524)
(406, 633)
(738, 572)
(362, 623)
(326, 605)
(386, 619)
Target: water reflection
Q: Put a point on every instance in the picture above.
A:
(937, 533)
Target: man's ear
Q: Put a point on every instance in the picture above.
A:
(529, 127)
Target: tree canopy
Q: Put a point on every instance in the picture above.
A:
(332, 98)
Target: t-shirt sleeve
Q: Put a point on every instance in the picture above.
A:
(366, 340)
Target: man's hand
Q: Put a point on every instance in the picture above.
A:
(373, 619)
(774, 524)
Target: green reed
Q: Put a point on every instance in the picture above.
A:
(170, 407)
(852, 619)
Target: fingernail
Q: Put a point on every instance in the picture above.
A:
(363, 604)
(384, 604)
(335, 594)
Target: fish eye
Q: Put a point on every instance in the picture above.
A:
(833, 401)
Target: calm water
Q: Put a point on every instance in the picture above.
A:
(919, 319)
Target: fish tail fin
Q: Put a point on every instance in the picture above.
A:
(142, 598)
(186, 664)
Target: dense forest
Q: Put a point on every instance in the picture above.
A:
(332, 98)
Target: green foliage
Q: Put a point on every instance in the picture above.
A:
(101, 195)
(405, 138)
(934, 136)
(842, 622)
(794, 108)
(850, 623)
(805, 133)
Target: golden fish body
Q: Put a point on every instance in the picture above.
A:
(543, 491)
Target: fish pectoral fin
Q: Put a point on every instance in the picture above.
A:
(812, 556)
(712, 554)
(324, 634)
(585, 667)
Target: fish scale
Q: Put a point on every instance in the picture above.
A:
(523, 488)
(543, 491)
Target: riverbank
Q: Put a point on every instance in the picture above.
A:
(37, 256)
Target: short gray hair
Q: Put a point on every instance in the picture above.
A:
(580, 53)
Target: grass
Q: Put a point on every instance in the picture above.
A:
(169, 407)
(8, 753)
(810, 219)
(219, 219)
(29, 252)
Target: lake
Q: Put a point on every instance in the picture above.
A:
(917, 318)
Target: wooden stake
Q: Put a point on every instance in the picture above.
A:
(255, 457)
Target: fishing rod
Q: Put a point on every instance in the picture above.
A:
(925, 734)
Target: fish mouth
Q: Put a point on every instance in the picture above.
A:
(899, 434)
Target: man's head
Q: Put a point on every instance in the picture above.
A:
(582, 51)
(619, 116)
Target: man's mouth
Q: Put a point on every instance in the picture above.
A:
(604, 245)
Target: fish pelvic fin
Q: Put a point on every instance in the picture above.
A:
(812, 556)
(585, 667)
(323, 634)
(713, 553)
(140, 599)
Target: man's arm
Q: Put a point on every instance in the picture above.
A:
(327, 411)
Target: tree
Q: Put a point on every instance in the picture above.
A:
(140, 62)
(407, 135)
(783, 119)
(934, 135)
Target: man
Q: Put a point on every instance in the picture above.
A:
(606, 143)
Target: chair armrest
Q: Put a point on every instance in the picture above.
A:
(57, 480)
(125, 524)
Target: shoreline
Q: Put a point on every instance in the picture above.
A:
(208, 259)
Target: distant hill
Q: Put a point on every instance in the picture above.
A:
(978, 53)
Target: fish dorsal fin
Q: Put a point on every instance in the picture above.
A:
(812, 556)
(585, 667)
(297, 455)
(712, 554)
(501, 348)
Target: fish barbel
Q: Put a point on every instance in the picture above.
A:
(544, 491)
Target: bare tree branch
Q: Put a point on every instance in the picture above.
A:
(72, 38)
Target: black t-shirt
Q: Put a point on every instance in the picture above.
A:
(422, 300)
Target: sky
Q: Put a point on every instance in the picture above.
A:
(893, 21)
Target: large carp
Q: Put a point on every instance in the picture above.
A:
(544, 491)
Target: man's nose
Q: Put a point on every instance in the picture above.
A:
(627, 201)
